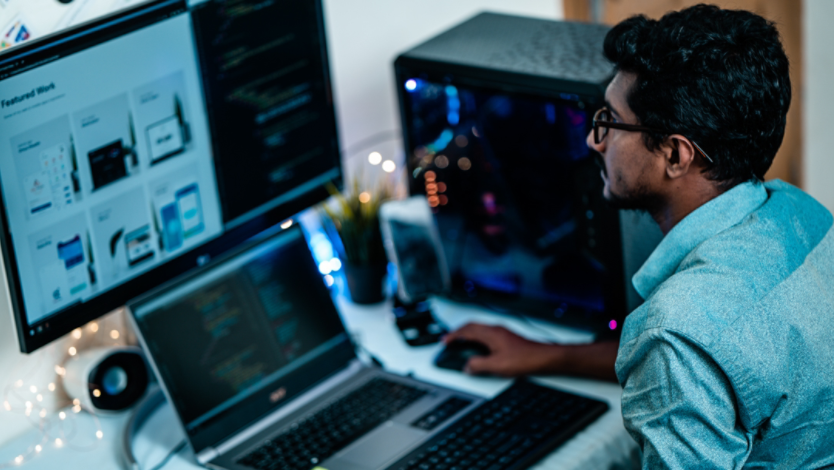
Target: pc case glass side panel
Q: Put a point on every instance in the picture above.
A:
(517, 196)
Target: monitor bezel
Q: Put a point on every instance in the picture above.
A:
(32, 336)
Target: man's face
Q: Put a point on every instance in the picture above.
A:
(631, 172)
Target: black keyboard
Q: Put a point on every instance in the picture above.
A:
(321, 435)
(511, 431)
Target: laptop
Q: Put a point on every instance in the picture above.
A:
(252, 355)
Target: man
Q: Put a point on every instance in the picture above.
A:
(729, 363)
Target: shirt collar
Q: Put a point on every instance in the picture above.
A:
(704, 222)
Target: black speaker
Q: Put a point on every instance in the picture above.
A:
(107, 379)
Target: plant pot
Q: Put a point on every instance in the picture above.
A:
(365, 282)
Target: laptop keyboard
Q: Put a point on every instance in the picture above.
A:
(510, 432)
(319, 436)
(441, 413)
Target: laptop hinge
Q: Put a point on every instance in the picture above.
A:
(211, 453)
(206, 455)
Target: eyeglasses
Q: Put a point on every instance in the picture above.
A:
(602, 122)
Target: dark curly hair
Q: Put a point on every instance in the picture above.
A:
(718, 77)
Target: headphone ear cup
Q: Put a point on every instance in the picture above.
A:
(107, 379)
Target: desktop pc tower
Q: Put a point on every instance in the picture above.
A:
(495, 113)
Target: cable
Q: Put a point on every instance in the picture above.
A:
(357, 344)
(173, 452)
(153, 399)
(374, 139)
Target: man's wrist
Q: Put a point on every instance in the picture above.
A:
(594, 360)
(551, 359)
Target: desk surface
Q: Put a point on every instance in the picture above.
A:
(603, 445)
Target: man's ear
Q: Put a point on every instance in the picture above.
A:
(679, 155)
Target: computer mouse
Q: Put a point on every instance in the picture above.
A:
(457, 353)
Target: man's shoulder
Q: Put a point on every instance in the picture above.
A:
(783, 231)
(766, 335)
(730, 273)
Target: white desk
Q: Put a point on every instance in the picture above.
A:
(602, 445)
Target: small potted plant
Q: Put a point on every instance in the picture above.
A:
(355, 216)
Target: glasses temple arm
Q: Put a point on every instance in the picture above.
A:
(702, 151)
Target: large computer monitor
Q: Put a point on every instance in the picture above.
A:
(143, 144)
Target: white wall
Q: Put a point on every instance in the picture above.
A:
(364, 37)
(818, 101)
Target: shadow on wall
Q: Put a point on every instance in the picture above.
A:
(640, 236)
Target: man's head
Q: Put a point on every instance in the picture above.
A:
(707, 81)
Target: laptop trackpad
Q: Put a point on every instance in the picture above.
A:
(382, 444)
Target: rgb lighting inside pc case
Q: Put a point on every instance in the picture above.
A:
(499, 151)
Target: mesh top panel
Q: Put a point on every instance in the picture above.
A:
(547, 48)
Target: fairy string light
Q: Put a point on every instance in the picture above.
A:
(59, 429)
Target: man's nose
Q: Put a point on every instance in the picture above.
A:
(591, 143)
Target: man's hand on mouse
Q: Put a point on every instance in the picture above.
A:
(510, 354)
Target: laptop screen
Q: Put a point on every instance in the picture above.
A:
(241, 329)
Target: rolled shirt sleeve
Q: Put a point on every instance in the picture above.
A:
(678, 404)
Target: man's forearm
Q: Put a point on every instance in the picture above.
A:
(514, 356)
(594, 360)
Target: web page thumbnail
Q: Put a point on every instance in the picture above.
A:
(106, 141)
(46, 168)
(125, 239)
(162, 118)
(62, 260)
(178, 210)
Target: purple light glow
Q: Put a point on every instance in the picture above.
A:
(612, 324)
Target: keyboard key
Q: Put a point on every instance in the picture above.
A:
(511, 431)
(317, 437)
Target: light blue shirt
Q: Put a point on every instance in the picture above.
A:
(730, 361)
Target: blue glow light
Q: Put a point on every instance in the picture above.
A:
(321, 247)
(550, 111)
(443, 140)
(335, 264)
(452, 105)
(324, 267)
(411, 84)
